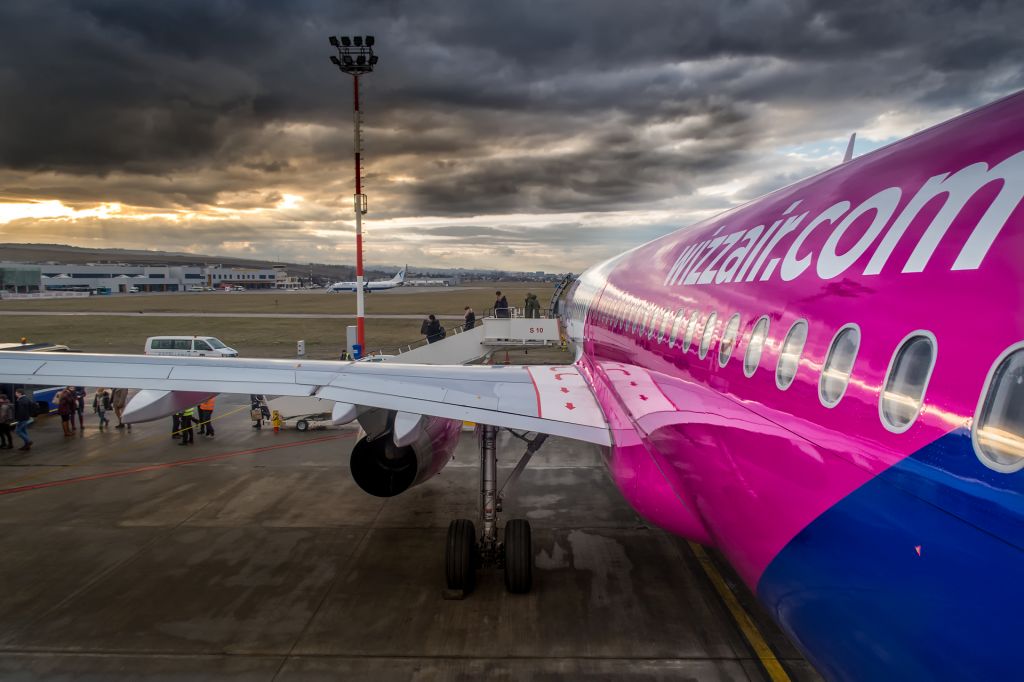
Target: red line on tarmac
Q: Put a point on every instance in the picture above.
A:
(164, 465)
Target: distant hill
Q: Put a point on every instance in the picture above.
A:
(40, 253)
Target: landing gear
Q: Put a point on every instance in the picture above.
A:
(465, 552)
(518, 557)
(460, 556)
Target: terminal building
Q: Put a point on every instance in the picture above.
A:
(125, 278)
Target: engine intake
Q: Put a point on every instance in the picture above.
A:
(384, 469)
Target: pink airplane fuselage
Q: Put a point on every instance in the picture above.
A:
(866, 543)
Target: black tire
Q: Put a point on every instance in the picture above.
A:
(302, 425)
(518, 556)
(460, 556)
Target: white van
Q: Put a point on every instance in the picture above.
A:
(188, 345)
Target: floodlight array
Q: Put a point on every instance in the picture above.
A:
(355, 54)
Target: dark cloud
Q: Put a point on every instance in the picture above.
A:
(476, 108)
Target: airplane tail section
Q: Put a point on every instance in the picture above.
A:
(400, 277)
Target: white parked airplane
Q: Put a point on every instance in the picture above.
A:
(396, 281)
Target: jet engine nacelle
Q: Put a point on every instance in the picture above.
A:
(400, 450)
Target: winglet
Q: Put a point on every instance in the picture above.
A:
(849, 148)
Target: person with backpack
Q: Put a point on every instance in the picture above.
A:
(25, 410)
(500, 305)
(67, 403)
(79, 393)
(532, 306)
(259, 410)
(119, 399)
(470, 319)
(432, 329)
(101, 405)
(6, 417)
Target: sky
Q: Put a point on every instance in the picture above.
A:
(515, 135)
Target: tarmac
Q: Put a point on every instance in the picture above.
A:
(254, 556)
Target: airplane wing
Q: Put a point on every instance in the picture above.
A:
(556, 400)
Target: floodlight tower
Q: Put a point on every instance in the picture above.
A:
(356, 58)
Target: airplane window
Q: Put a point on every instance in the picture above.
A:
(789, 358)
(998, 433)
(679, 322)
(655, 330)
(690, 329)
(907, 379)
(755, 346)
(666, 319)
(709, 331)
(835, 375)
(728, 340)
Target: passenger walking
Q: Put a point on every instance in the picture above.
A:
(79, 392)
(500, 305)
(470, 318)
(206, 417)
(101, 405)
(67, 403)
(6, 418)
(259, 410)
(118, 399)
(433, 329)
(24, 415)
(532, 307)
(186, 426)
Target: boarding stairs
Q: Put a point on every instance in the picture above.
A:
(562, 285)
(492, 333)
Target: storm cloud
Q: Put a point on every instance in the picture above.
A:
(492, 131)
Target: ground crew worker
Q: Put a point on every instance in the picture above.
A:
(276, 420)
(186, 426)
(206, 417)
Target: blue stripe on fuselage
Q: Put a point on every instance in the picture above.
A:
(852, 590)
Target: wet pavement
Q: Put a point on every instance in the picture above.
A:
(253, 556)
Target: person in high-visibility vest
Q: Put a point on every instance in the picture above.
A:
(186, 426)
(206, 417)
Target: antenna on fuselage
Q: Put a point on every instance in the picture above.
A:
(849, 148)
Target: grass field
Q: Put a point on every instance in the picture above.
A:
(418, 301)
(254, 337)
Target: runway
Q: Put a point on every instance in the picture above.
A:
(254, 556)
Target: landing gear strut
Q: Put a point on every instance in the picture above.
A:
(465, 552)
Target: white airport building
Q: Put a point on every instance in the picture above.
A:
(121, 278)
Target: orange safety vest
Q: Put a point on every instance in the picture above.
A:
(207, 406)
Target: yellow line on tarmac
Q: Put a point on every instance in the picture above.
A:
(753, 636)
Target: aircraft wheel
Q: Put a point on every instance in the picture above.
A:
(460, 556)
(518, 556)
(302, 425)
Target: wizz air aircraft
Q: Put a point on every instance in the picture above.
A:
(826, 384)
(396, 281)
